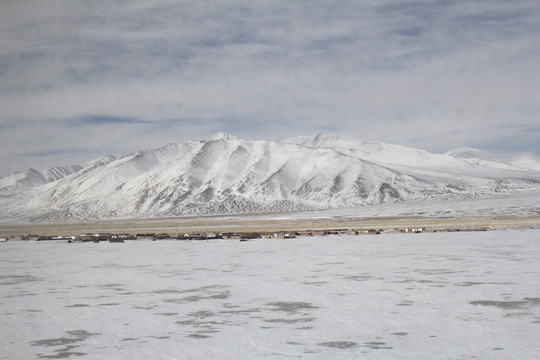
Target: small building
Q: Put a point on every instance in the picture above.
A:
(145, 235)
(368, 232)
(61, 237)
(246, 236)
(414, 230)
(103, 236)
(284, 235)
(87, 238)
(123, 237)
(161, 236)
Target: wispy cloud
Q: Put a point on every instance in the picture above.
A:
(409, 72)
(92, 120)
(57, 151)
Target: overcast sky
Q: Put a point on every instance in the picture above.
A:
(81, 79)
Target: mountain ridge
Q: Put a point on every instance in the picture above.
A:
(226, 174)
(25, 180)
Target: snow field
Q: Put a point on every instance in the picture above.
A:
(436, 296)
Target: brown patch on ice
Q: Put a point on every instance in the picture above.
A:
(289, 321)
(339, 344)
(509, 305)
(377, 345)
(291, 307)
(67, 343)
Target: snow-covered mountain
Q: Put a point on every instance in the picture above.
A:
(229, 175)
(25, 180)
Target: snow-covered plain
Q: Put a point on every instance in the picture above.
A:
(391, 296)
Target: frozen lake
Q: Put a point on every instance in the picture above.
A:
(391, 296)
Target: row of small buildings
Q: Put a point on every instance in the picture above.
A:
(255, 235)
(97, 237)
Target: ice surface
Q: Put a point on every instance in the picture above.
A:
(391, 296)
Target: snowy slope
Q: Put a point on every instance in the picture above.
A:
(25, 180)
(230, 175)
(406, 158)
(525, 160)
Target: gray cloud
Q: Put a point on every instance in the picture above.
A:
(125, 75)
(57, 151)
(93, 120)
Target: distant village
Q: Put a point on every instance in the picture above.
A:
(241, 236)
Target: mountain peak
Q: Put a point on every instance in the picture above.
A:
(224, 136)
(463, 152)
(324, 140)
(329, 139)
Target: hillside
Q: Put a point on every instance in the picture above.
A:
(227, 175)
